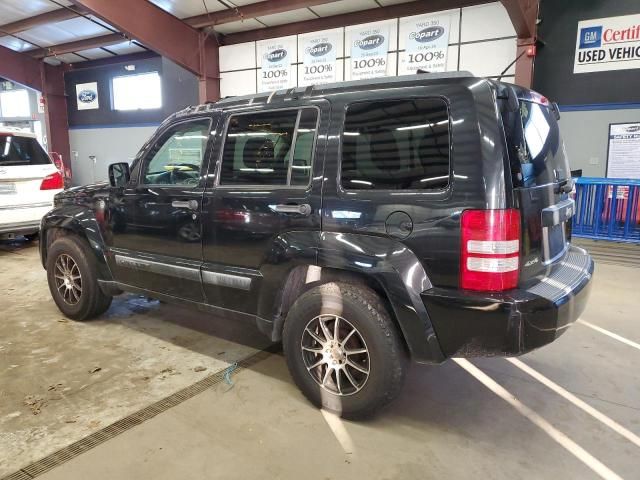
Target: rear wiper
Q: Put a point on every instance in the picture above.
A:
(565, 186)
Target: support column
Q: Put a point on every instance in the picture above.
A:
(55, 109)
(49, 80)
(525, 64)
(209, 79)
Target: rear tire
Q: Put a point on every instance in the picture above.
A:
(355, 369)
(72, 275)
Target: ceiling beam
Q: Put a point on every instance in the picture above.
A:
(165, 34)
(20, 68)
(150, 25)
(353, 18)
(524, 16)
(77, 46)
(28, 23)
(252, 10)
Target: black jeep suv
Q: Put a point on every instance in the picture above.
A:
(360, 223)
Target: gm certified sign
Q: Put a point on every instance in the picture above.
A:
(605, 44)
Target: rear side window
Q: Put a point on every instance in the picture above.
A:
(269, 148)
(396, 145)
(21, 151)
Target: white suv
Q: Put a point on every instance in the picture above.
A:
(28, 182)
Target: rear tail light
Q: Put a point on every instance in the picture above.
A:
(52, 182)
(490, 250)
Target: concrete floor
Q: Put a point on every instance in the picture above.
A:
(446, 424)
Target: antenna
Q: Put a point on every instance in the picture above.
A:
(511, 64)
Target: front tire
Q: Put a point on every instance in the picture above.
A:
(343, 350)
(72, 275)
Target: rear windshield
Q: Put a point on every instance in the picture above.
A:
(536, 149)
(20, 151)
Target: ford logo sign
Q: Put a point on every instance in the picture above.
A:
(428, 34)
(370, 42)
(87, 96)
(320, 49)
(276, 55)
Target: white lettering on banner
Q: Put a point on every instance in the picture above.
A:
(427, 42)
(276, 64)
(607, 44)
(319, 61)
(624, 151)
(369, 49)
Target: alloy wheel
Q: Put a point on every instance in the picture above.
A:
(335, 354)
(68, 279)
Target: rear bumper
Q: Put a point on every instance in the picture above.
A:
(25, 228)
(470, 324)
(22, 219)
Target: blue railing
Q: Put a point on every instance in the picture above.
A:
(607, 209)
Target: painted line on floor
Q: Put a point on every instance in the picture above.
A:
(615, 336)
(563, 440)
(336, 424)
(582, 405)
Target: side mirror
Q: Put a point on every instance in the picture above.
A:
(119, 174)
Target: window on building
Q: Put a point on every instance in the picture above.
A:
(137, 92)
(396, 145)
(258, 148)
(176, 158)
(15, 103)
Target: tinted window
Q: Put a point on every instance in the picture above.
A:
(303, 151)
(396, 145)
(257, 150)
(535, 146)
(21, 151)
(176, 159)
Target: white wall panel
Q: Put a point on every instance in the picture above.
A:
(484, 22)
(238, 57)
(452, 58)
(108, 145)
(488, 59)
(237, 83)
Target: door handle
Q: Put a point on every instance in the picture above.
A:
(302, 209)
(190, 204)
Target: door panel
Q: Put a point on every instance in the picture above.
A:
(268, 183)
(156, 221)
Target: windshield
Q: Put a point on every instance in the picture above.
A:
(20, 151)
(536, 149)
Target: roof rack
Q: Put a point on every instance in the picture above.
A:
(296, 93)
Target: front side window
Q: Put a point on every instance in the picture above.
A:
(396, 145)
(176, 158)
(266, 149)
